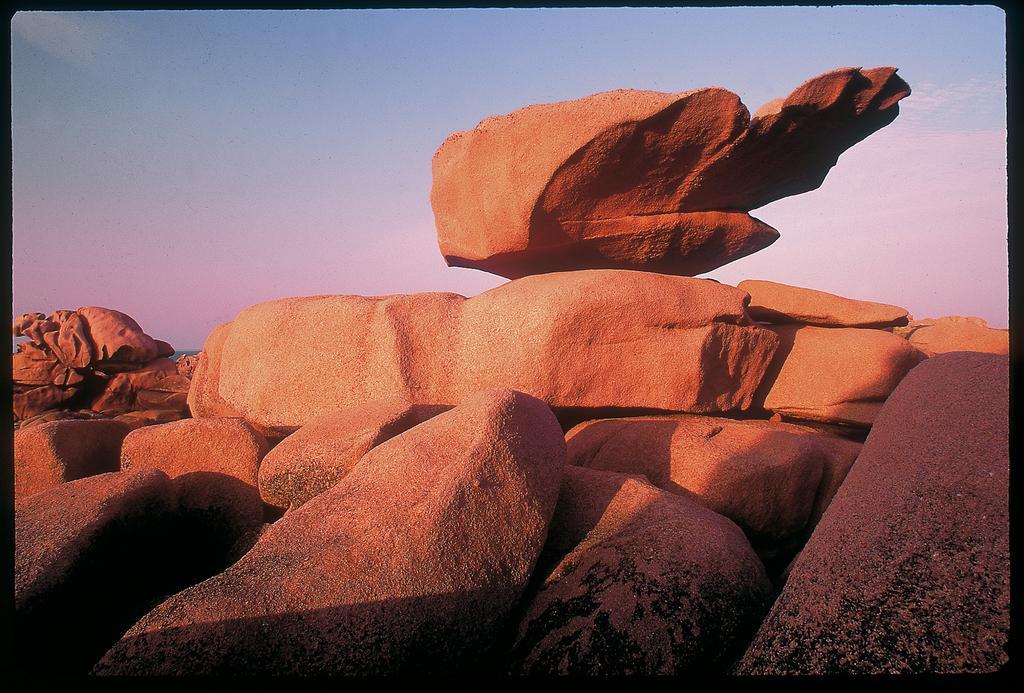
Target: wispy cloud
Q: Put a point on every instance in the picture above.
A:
(976, 104)
(74, 37)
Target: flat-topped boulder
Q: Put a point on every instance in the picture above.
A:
(781, 303)
(956, 333)
(908, 571)
(651, 583)
(646, 180)
(835, 374)
(409, 564)
(588, 339)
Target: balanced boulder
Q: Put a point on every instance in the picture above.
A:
(409, 564)
(909, 569)
(318, 455)
(589, 339)
(50, 454)
(641, 179)
(835, 375)
(653, 583)
(780, 303)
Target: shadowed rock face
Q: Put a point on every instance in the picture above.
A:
(409, 564)
(590, 339)
(653, 583)
(641, 179)
(91, 556)
(908, 570)
(213, 465)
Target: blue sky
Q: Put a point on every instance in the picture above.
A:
(180, 166)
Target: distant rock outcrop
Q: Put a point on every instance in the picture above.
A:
(93, 358)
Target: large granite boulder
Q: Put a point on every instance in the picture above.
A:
(644, 180)
(203, 397)
(589, 339)
(213, 464)
(318, 455)
(835, 375)
(409, 564)
(652, 583)
(909, 569)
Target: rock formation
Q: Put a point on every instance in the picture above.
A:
(94, 359)
(381, 485)
(835, 375)
(766, 477)
(591, 339)
(644, 180)
(52, 453)
(652, 583)
(408, 564)
(318, 455)
(213, 465)
(90, 556)
(908, 570)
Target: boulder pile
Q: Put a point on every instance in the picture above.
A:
(95, 363)
(604, 466)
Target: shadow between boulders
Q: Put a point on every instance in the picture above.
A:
(787, 338)
(431, 634)
(130, 567)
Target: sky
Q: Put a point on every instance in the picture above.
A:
(180, 166)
